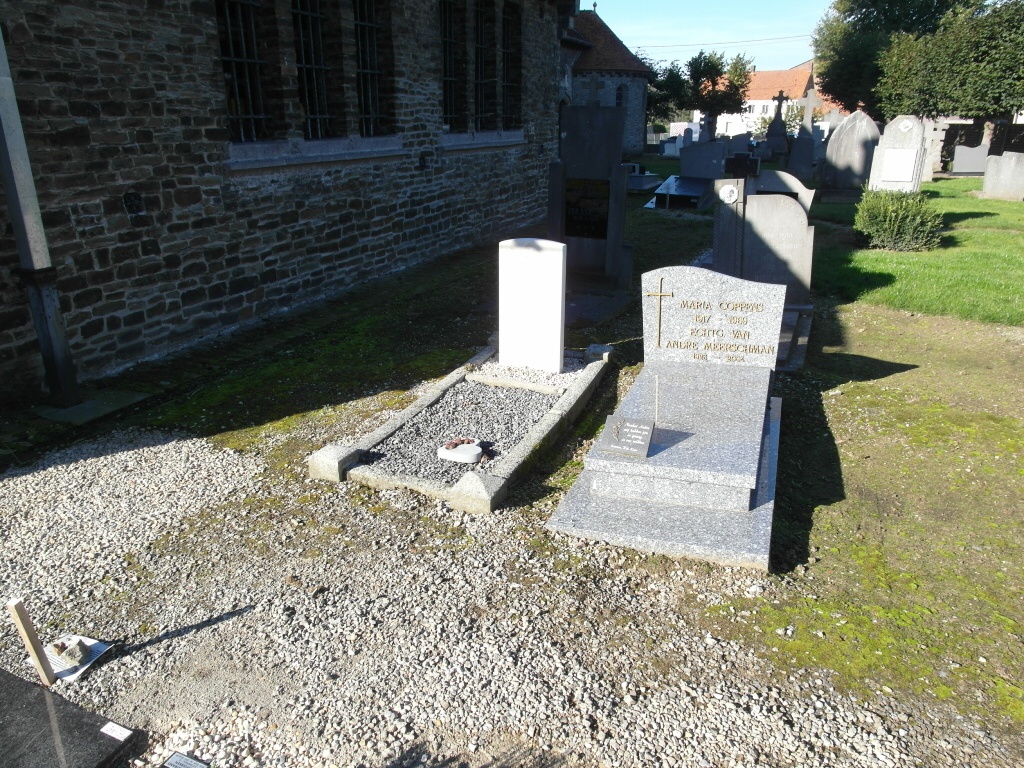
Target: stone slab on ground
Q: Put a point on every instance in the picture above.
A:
(39, 729)
(708, 424)
(724, 537)
(97, 404)
(478, 490)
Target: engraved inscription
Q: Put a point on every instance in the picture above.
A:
(737, 320)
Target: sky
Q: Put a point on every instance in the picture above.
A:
(669, 30)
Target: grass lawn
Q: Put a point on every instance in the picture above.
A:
(976, 274)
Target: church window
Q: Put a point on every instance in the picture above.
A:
(512, 66)
(315, 35)
(243, 50)
(454, 106)
(372, 51)
(485, 102)
(620, 96)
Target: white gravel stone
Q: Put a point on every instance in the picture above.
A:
(263, 620)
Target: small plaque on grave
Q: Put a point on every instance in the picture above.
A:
(586, 208)
(178, 760)
(899, 165)
(627, 436)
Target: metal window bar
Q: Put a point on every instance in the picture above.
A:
(486, 107)
(368, 71)
(449, 75)
(512, 67)
(309, 21)
(248, 119)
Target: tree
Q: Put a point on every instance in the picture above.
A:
(668, 92)
(971, 66)
(851, 38)
(717, 87)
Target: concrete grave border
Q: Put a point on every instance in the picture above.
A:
(476, 491)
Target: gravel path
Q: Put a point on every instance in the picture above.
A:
(268, 620)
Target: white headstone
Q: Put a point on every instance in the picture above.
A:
(899, 156)
(531, 304)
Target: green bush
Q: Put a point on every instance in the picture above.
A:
(898, 221)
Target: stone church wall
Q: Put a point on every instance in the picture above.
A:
(634, 100)
(164, 233)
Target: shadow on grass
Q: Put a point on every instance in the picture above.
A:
(810, 471)
(956, 218)
(836, 274)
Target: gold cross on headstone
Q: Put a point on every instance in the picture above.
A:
(661, 295)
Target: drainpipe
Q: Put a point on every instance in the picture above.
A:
(37, 271)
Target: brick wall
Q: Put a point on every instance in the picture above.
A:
(163, 233)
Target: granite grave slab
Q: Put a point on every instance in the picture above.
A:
(40, 729)
(969, 161)
(705, 487)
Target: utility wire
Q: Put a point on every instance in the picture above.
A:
(727, 42)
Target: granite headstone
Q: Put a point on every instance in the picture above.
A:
(969, 161)
(778, 246)
(849, 153)
(781, 183)
(1004, 176)
(705, 486)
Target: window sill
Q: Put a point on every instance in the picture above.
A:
(277, 154)
(481, 140)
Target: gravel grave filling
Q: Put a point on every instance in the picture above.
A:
(497, 416)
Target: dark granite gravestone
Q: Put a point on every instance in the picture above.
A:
(899, 158)
(777, 137)
(587, 194)
(742, 165)
(740, 143)
(778, 246)
(849, 153)
(39, 729)
(800, 162)
(757, 238)
(705, 487)
(705, 160)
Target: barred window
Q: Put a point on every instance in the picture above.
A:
(238, 22)
(319, 96)
(485, 101)
(371, 50)
(620, 96)
(512, 66)
(454, 104)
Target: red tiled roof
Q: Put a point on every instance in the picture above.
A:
(794, 83)
(609, 54)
